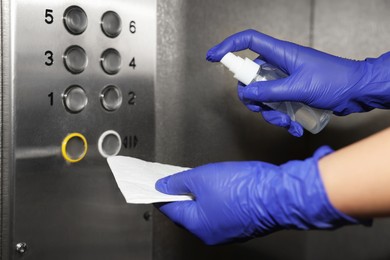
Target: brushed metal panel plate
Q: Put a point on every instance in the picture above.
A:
(76, 211)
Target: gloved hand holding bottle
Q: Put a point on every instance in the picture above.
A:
(316, 79)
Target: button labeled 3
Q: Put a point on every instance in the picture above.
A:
(75, 59)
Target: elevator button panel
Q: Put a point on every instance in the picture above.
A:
(91, 66)
(82, 81)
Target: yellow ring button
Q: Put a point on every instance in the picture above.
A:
(74, 147)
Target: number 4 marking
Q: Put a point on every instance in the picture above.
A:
(132, 63)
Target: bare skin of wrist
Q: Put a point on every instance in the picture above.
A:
(357, 177)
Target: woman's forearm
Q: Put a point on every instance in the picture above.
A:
(357, 177)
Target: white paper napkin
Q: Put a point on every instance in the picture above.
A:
(136, 179)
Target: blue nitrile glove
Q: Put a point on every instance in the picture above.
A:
(236, 201)
(316, 78)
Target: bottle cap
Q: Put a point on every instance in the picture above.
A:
(244, 70)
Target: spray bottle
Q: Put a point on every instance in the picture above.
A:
(247, 71)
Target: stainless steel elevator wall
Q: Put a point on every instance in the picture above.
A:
(199, 116)
(200, 119)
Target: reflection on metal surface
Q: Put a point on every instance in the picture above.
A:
(24, 153)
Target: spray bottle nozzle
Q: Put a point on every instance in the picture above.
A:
(244, 70)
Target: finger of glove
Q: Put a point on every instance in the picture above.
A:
(176, 184)
(180, 212)
(282, 120)
(256, 106)
(259, 60)
(240, 92)
(273, 91)
(253, 106)
(240, 89)
(275, 51)
(296, 129)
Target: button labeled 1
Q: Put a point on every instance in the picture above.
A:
(75, 99)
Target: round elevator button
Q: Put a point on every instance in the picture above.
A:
(111, 61)
(111, 98)
(109, 143)
(75, 99)
(74, 147)
(111, 24)
(75, 59)
(75, 20)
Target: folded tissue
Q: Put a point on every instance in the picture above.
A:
(136, 179)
